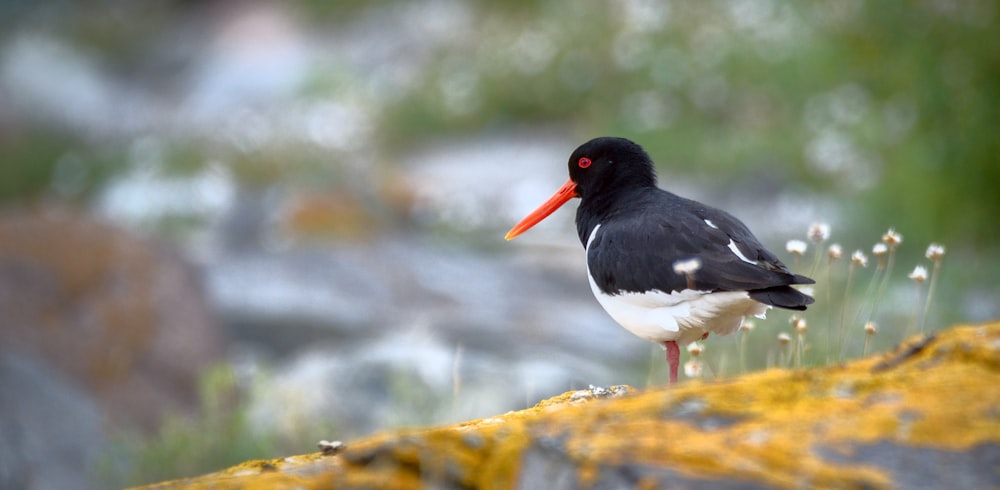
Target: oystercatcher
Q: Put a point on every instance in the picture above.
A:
(668, 269)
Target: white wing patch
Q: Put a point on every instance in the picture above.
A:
(732, 245)
(736, 250)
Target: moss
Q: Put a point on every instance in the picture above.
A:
(777, 428)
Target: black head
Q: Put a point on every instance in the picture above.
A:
(606, 164)
(600, 172)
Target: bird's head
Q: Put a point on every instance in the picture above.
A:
(600, 166)
(607, 164)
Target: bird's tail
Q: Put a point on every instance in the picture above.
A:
(782, 297)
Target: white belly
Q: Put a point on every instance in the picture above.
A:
(683, 316)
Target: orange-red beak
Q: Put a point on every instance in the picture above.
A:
(565, 193)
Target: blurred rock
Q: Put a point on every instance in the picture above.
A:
(922, 416)
(50, 430)
(415, 332)
(121, 319)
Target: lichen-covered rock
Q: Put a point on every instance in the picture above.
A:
(926, 415)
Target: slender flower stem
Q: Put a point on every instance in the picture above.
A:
(843, 312)
(828, 293)
(817, 257)
(870, 330)
(886, 275)
(930, 293)
(917, 313)
(869, 291)
(784, 354)
(800, 342)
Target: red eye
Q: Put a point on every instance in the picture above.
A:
(584, 162)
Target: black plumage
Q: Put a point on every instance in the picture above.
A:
(668, 269)
(646, 230)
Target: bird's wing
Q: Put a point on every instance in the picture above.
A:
(741, 237)
(639, 253)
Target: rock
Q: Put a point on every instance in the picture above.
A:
(49, 429)
(120, 319)
(923, 416)
(401, 322)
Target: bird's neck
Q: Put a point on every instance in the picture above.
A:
(598, 208)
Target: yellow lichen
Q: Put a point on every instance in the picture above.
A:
(779, 428)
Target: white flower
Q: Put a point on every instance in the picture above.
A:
(818, 232)
(784, 338)
(694, 348)
(834, 251)
(747, 325)
(919, 274)
(687, 267)
(935, 252)
(796, 247)
(800, 325)
(870, 328)
(879, 249)
(859, 258)
(692, 368)
(891, 238)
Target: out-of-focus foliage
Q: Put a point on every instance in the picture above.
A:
(223, 435)
(890, 107)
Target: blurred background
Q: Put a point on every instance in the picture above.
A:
(231, 229)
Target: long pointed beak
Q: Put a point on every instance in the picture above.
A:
(565, 193)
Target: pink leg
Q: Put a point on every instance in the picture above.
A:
(673, 359)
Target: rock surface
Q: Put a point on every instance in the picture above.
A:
(120, 317)
(926, 415)
(100, 331)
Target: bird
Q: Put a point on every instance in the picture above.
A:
(668, 269)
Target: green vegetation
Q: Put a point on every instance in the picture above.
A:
(888, 106)
(222, 433)
(855, 313)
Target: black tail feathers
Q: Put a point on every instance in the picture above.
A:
(782, 297)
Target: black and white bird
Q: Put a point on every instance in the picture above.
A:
(670, 270)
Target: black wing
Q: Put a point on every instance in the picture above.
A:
(637, 252)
